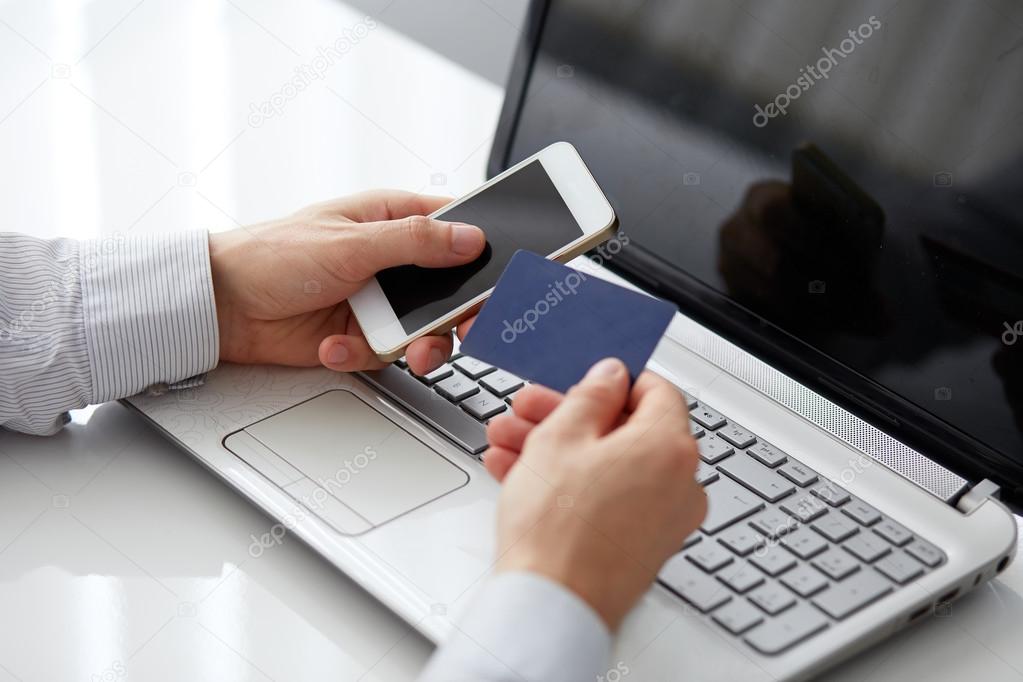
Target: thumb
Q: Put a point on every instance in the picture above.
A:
(417, 240)
(594, 405)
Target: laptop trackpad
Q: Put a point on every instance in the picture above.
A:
(366, 462)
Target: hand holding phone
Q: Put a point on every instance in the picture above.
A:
(281, 287)
(548, 204)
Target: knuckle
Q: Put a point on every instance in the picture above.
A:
(420, 230)
(593, 393)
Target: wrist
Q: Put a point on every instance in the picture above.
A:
(222, 246)
(584, 562)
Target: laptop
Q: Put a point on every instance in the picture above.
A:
(830, 194)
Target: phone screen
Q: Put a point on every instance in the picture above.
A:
(522, 211)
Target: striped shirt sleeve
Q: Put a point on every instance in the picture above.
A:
(90, 321)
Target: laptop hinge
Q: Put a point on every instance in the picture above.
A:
(974, 496)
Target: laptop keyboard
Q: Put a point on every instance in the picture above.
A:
(458, 398)
(783, 552)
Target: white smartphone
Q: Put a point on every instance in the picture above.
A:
(548, 204)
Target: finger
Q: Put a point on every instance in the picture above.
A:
(347, 353)
(535, 402)
(384, 204)
(592, 406)
(415, 240)
(499, 461)
(644, 384)
(658, 404)
(464, 327)
(509, 431)
(427, 353)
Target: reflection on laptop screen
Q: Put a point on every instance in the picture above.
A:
(850, 172)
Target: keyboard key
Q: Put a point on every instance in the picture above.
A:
(501, 383)
(713, 449)
(483, 405)
(867, 547)
(805, 508)
(472, 368)
(442, 372)
(696, 430)
(693, 538)
(836, 563)
(774, 561)
(925, 552)
(456, 388)
(511, 397)
(804, 543)
(773, 523)
(727, 502)
(741, 539)
(772, 598)
(737, 617)
(757, 478)
(767, 454)
(893, 532)
(900, 567)
(863, 513)
(835, 527)
(691, 402)
(710, 556)
(743, 577)
(737, 436)
(693, 585)
(778, 634)
(804, 581)
(706, 474)
(450, 420)
(831, 493)
(845, 598)
(797, 473)
(707, 418)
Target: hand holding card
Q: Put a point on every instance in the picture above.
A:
(549, 323)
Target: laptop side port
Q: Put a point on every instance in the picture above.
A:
(920, 613)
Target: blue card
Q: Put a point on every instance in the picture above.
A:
(550, 323)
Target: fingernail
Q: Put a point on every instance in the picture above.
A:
(605, 369)
(337, 354)
(435, 357)
(465, 239)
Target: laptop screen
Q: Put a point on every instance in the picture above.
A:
(851, 174)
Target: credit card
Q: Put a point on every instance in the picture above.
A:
(550, 323)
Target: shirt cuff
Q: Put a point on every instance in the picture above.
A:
(149, 311)
(523, 626)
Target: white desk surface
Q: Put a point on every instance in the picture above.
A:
(120, 557)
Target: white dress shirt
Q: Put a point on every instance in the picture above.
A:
(91, 321)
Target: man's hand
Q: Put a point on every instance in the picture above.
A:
(599, 488)
(282, 287)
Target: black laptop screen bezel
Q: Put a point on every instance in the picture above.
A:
(869, 400)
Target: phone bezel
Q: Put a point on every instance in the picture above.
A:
(593, 215)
